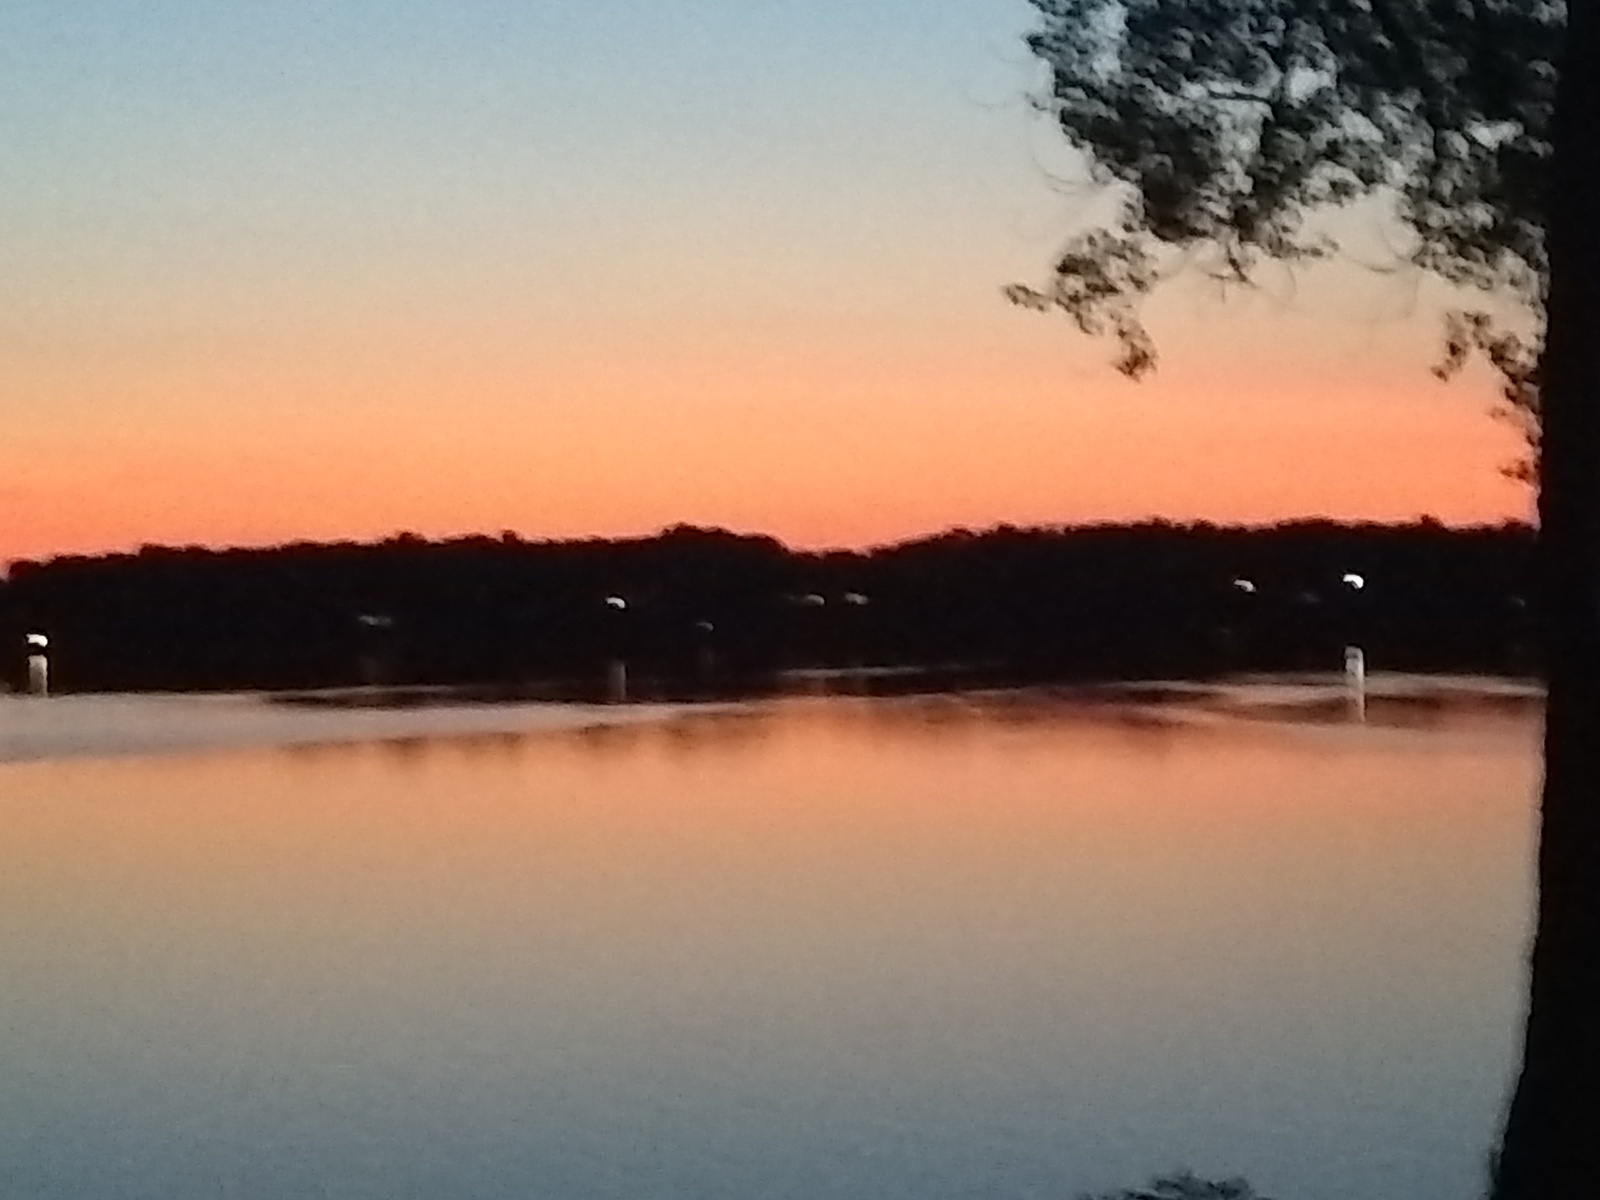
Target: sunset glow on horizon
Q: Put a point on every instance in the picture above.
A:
(465, 268)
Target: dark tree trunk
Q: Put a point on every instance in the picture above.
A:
(1551, 1148)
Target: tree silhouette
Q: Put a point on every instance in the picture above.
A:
(1228, 129)
(1011, 605)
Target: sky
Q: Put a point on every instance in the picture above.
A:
(306, 269)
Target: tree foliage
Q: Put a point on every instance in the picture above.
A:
(1228, 127)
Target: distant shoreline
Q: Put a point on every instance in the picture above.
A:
(719, 612)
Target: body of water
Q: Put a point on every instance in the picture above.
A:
(1009, 944)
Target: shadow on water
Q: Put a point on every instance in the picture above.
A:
(1391, 697)
(940, 705)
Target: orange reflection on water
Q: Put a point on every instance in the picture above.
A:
(1066, 911)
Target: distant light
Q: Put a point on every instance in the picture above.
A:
(1355, 582)
(616, 602)
(1246, 586)
(705, 626)
(38, 641)
(858, 599)
(813, 600)
(376, 620)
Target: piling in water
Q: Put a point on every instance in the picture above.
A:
(38, 675)
(1355, 676)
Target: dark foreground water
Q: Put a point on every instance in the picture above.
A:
(1010, 945)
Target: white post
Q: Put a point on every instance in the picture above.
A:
(1355, 677)
(38, 665)
(617, 670)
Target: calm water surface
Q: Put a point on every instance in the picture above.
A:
(1015, 945)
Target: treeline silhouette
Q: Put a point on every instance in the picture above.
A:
(691, 604)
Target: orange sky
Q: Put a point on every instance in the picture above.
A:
(822, 437)
(310, 279)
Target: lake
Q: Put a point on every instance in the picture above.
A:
(1000, 944)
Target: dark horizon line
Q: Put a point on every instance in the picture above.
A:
(685, 529)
